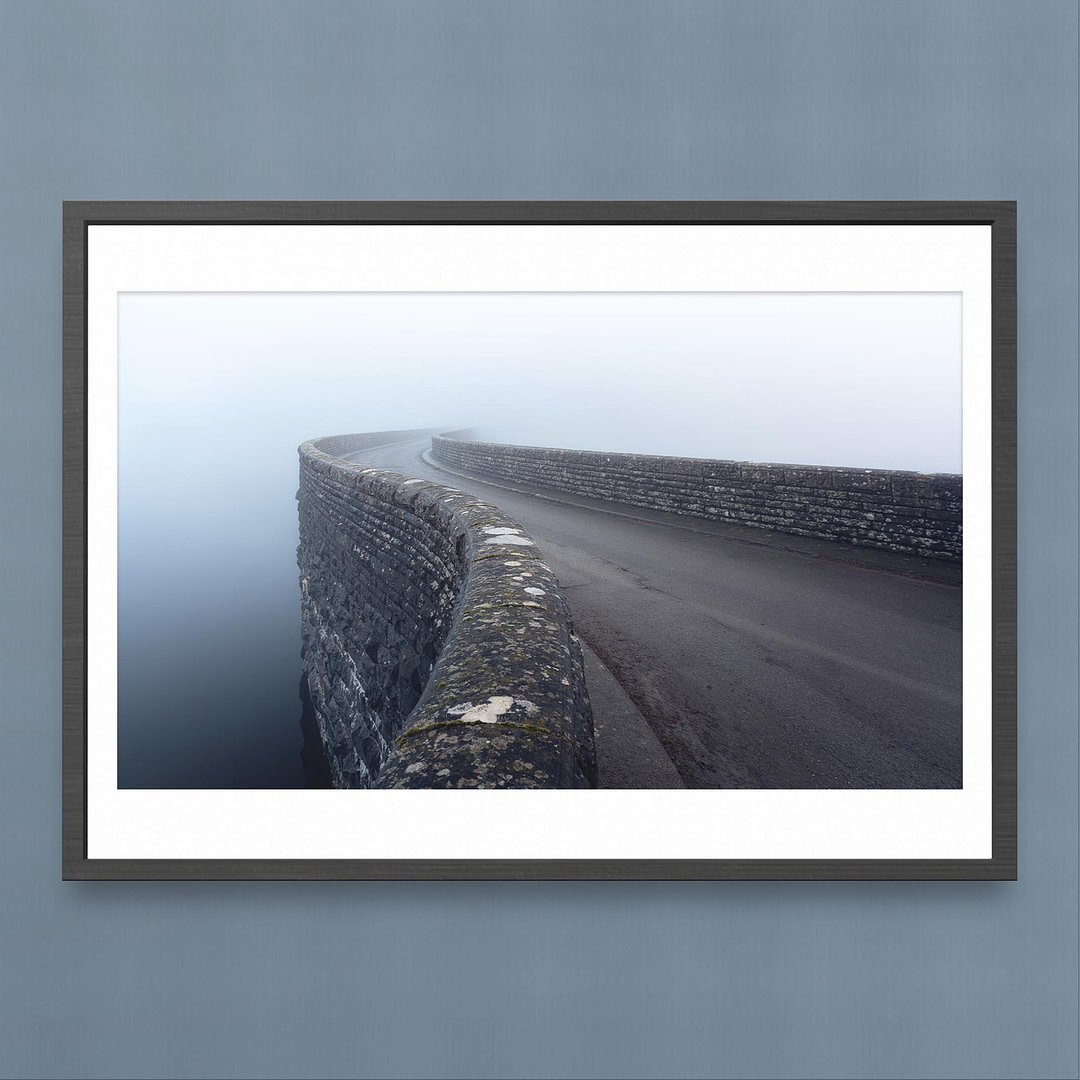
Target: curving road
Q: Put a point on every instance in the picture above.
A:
(758, 659)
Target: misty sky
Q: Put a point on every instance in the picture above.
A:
(867, 380)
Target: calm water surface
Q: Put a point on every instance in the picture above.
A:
(209, 632)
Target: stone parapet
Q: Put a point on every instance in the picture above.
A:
(916, 513)
(436, 643)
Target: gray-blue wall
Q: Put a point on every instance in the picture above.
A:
(537, 100)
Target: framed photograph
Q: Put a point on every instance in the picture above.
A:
(539, 540)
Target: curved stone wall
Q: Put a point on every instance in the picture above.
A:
(916, 513)
(437, 647)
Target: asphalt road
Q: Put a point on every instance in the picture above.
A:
(759, 660)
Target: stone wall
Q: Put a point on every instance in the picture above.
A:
(437, 647)
(908, 512)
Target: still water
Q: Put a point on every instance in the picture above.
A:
(209, 636)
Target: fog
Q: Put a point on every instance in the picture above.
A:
(217, 391)
(866, 380)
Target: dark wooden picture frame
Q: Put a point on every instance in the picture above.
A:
(1000, 216)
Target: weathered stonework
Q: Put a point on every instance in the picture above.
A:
(436, 643)
(917, 513)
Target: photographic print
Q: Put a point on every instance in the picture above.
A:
(658, 543)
